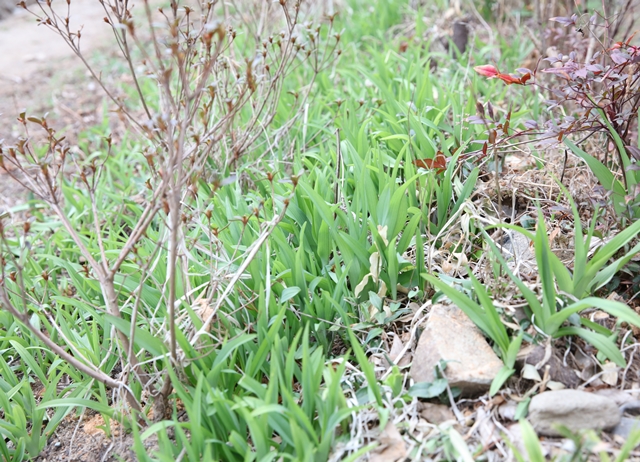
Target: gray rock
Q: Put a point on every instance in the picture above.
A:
(620, 397)
(557, 371)
(576, 410)
(451, 336)
(516, 249)
(626, 426)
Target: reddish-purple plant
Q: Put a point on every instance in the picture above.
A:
(601, 92)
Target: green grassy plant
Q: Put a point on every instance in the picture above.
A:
(263, 246)
(585, 446)
(551, 313)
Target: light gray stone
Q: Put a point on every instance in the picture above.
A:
(451, 336)
(626, 426)
(517, 250)
(618, 396)
(576, 410)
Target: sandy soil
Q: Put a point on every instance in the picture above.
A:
(28, 47)
(39, 73)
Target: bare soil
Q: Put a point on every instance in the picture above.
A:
(84, 440)
(40, 74)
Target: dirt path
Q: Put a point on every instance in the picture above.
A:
(39, 73)
(28, 48)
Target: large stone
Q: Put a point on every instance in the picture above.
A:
(451, 336)
(576, 410)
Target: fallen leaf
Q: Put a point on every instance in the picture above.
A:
(610, 374)
(529, 372)
(392, 447)
(205, 310)
(553, 385)
(396, 348)
(436, 414)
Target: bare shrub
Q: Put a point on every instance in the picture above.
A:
(207, 87)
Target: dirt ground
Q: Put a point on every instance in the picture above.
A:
(81, 440)
(39, 73)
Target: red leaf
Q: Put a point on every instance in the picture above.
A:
(439, 163)
(487, 70)
(509, 79)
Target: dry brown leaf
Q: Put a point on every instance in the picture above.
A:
(394, 352)
(205, 310)
(553, 385)
(91, 425)
(553, 235)
(396, 348)
(392, 447)
(436, 413)
(610, 374)
(615, 297)
(600, 315)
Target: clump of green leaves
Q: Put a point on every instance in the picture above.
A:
(550, 314)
